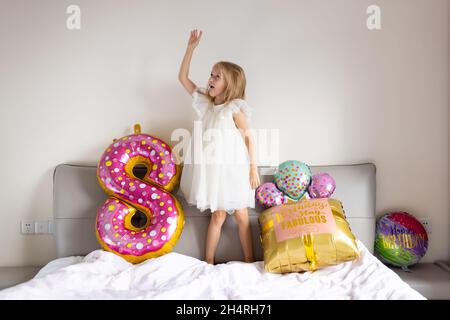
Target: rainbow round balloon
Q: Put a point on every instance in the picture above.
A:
(400, 239)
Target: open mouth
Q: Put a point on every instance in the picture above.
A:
(210, 87)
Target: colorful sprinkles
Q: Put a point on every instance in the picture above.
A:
(158, 205)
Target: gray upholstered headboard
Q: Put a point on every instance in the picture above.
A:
(77, 197)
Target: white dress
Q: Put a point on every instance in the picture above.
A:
(216, 172)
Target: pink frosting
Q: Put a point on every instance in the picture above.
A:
(161, 204)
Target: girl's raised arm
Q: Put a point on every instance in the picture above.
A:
(183, 75)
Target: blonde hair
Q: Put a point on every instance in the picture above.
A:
(235, 77)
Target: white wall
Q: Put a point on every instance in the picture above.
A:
(341, 94)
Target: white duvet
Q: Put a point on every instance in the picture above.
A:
(104, 275)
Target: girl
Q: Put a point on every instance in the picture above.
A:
(223, 174)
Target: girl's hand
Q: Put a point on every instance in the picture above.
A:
(194, 39)
(254, 177)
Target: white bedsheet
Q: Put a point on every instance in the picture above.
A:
(103, 275)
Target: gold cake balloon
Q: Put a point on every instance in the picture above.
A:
(306, 236)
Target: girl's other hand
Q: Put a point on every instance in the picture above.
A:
(254, 177)
(194, 38)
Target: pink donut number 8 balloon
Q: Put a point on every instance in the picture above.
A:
(120, 228)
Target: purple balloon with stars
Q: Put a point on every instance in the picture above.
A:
(268, 195)
(322, 186)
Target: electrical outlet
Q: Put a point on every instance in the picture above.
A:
(426, 224)
(27, 227)
(37, 227)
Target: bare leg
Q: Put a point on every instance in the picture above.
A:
(245, 233)
(212, 238)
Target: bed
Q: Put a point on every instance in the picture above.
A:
(82, 270)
